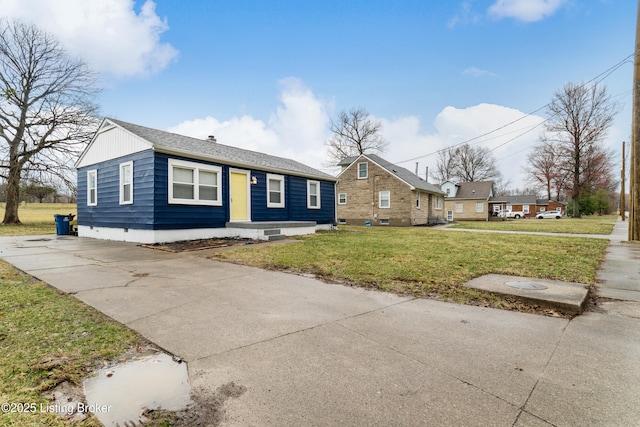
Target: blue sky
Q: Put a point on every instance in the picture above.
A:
(269, 75)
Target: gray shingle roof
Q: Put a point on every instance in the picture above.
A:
(474, 190)
(179, 144)
(402, 173)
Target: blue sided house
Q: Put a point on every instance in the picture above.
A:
(144, 185)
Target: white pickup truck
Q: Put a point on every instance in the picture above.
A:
(508, 213)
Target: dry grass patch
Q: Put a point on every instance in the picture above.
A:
(429, 263)
(37, 218)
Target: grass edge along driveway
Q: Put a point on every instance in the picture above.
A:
(430, 263)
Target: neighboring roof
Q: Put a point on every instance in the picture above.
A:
(542, 202)
(409, 177)
(525, 199)
(172, 143)
(474, 190)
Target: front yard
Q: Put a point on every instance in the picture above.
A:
(429, 263)
(587, 225)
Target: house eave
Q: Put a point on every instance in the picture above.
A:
(245, 165)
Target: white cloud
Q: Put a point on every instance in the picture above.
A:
(109, 34)
(297, 129)
(477, 72)
(525, 10)
(455, 125)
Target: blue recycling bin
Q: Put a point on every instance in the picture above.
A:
(62, 224)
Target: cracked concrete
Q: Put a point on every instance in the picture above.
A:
(311, 353)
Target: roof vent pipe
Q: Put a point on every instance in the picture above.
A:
(212, 138)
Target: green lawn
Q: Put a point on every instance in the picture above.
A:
(586, 225)
(427, 262)
(47, 337)
(36, 218)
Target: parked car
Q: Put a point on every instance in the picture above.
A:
(549, 214)
(510, 214)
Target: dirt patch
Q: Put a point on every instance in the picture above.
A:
(201, 244)
(207, 408)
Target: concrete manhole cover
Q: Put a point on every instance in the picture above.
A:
(526, 285)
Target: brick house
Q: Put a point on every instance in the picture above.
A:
(468, 201)
(370, 190)
(545, 205)
(525, 203)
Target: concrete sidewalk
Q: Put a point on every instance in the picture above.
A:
(311, 353)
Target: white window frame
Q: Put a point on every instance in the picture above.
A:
(309, 185)
(387, 199)
(417, 200)
(459, 207)
(525, 209)
(366, 170)
(196, 167)
(437, 203)
(342, 198)
(94, 173)
(122, 184)
(479, 207)
(280, 178)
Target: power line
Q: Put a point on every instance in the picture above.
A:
(597, 79)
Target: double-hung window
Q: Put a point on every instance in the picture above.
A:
(384, 199)
(313, 194)
(126, 183)
(275, 191)
(193, 183)
(437, 203)
(342, 198)
(479, 207)
(92, 188)
(363, 170)
(458, 207)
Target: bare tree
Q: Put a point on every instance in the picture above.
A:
(579, 118)
(466, 164)
(355, 133)
(445, 167)
(543, 169)
(47, 109)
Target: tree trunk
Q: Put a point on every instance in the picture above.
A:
(13, 191)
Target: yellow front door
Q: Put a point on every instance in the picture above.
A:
(239, 197)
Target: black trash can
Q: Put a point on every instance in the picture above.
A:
(62, 224)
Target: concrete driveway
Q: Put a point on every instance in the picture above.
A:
(311, 353)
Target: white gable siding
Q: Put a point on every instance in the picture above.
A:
(110, 144)
(448, 185)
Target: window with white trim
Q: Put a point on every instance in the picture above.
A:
(384, 199)
(275, 191)
(363, 170)
(525, 209)
(342, 198)
(479, 207)
(193, 183)
(126, 183)
(417, 200)
(313, 194)
(437, 203)
(458, 207)
(92, 187)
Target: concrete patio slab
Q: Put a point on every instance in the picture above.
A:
(565, 296)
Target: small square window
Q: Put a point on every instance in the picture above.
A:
(342, 198)
(384, 222)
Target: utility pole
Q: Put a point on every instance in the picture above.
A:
(634, 181)
(622, 186)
